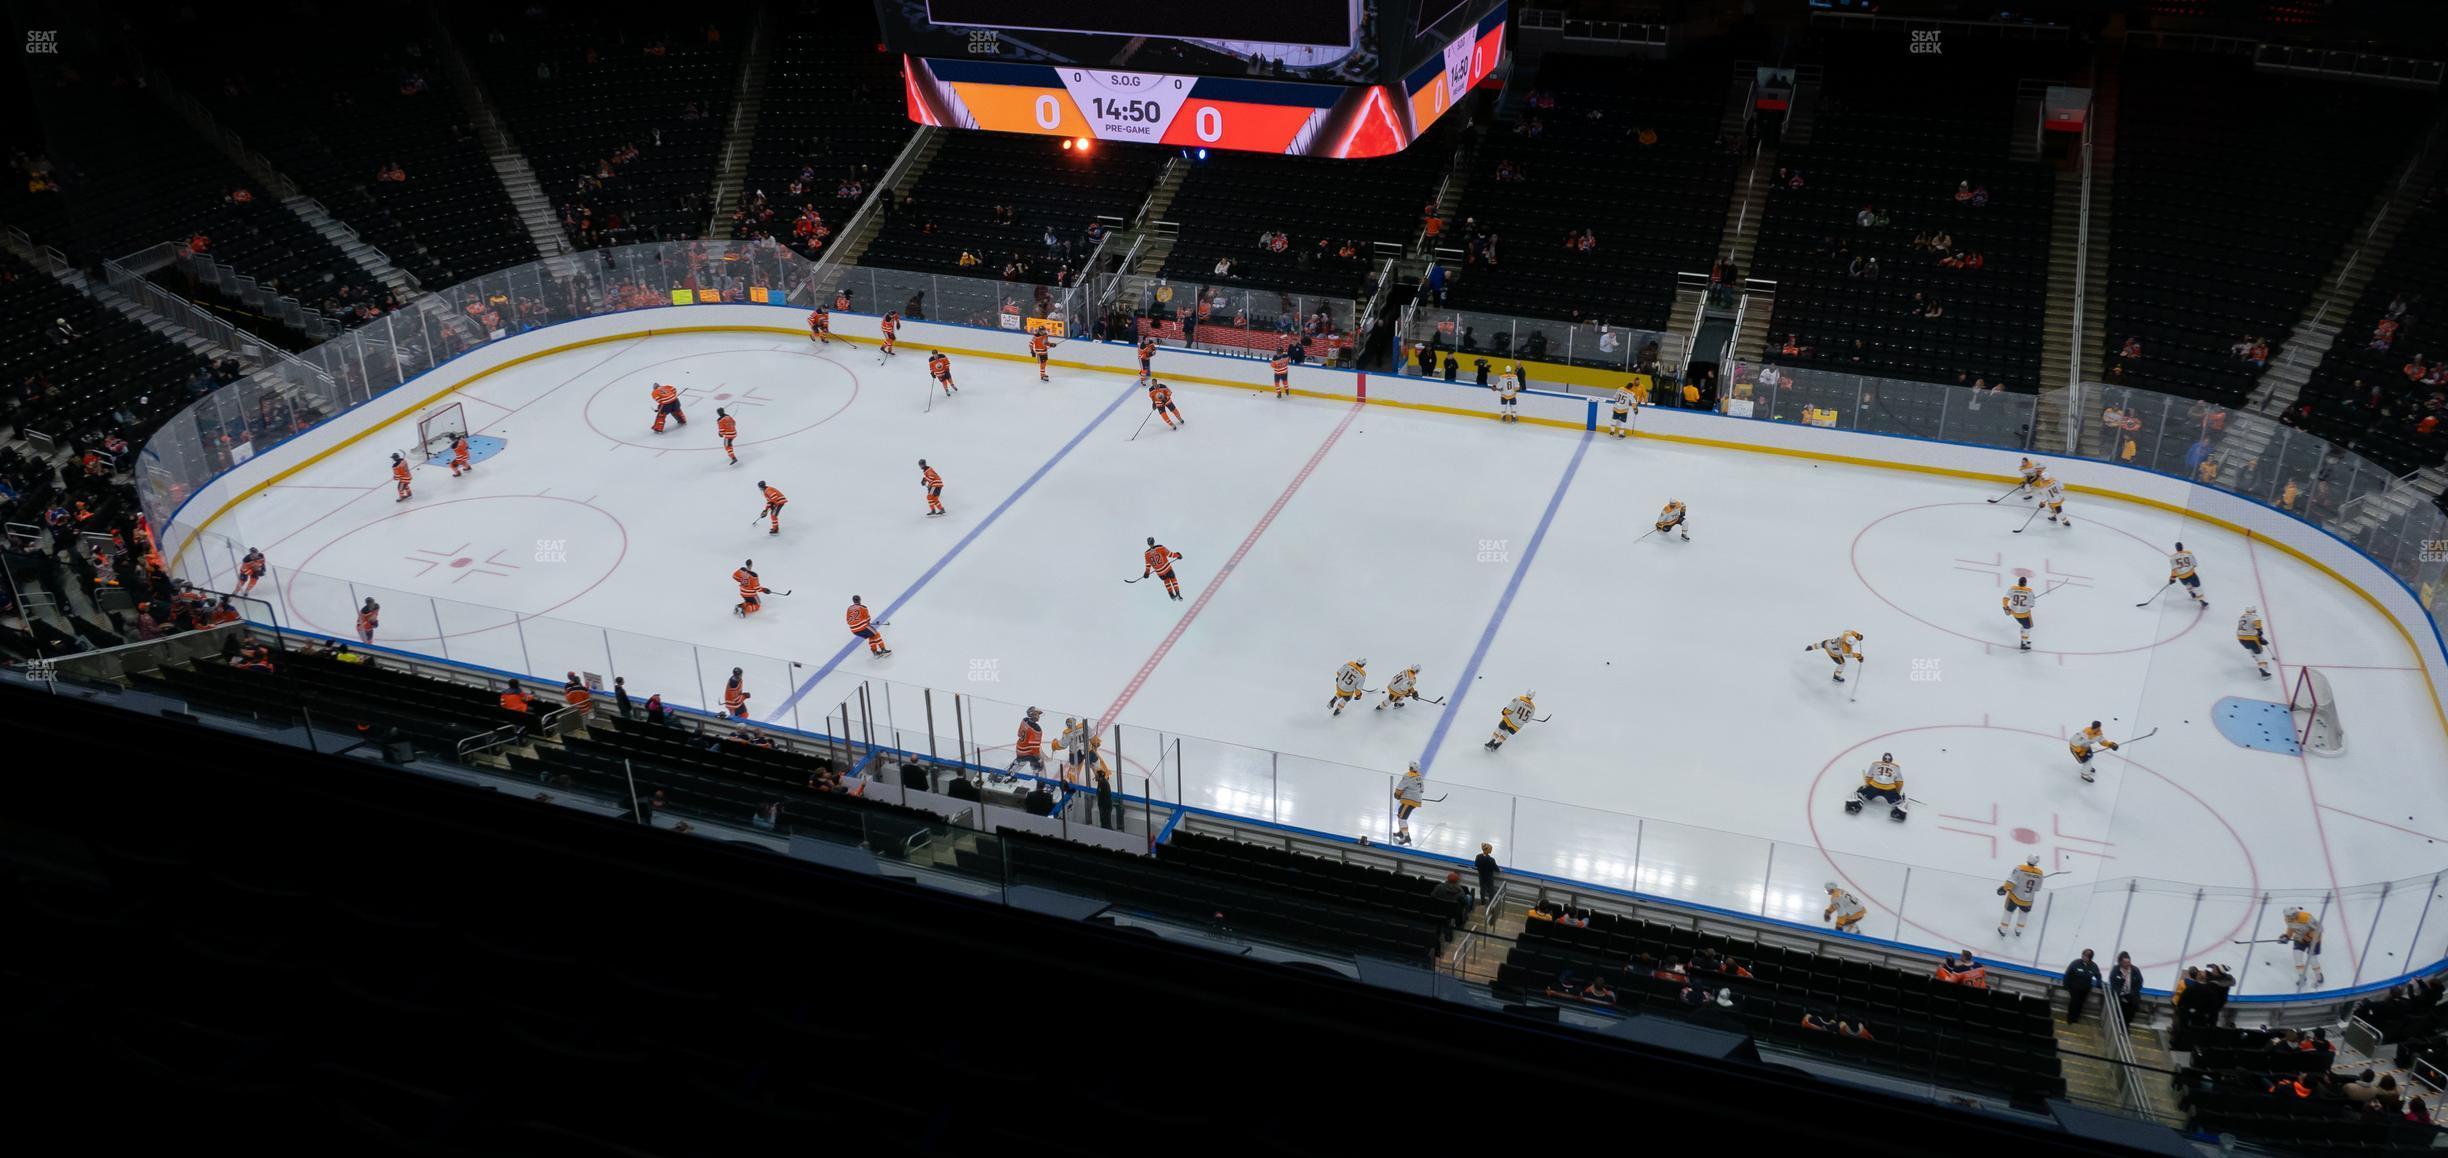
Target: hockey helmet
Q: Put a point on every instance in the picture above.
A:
(1033, 713)
(1889, 756)
(1831, 886)
(2032, 861)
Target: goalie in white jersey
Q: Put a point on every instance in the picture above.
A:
(2022, 887)
(1675, 517)
(1884, 780)
(1347, 684)
(2303, 931)
(1516, 716)
(1508, 397)
(1402, 689)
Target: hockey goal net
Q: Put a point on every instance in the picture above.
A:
(436, 430)
(2316, 714)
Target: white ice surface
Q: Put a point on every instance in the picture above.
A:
(1694, 750)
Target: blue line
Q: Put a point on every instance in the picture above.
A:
(903, 599)
(1487, 638)
(1167, 834)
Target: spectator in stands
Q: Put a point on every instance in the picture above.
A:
(654, 710)
(61, 333)
(620, 697)
(1866, 218)
(2082, 975)
(2418, 1111)
(963, 788)
(1963, 970)
(515, 698)
(575, 693)
(1450, 894)
(2359, 1089)
(2125, 985)
(766, 815)
(1040, 800)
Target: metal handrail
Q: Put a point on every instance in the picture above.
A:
(486, 741)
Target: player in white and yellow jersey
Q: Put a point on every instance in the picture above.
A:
(2022, 887)
(1402, 689)
(1884, 780)
(1516, 716)
(2254, 638)
(1843, 909)
(1841, 648)
(1073, 743)
(2018, 602)
(1347, 684)
(1407, 801)
(2181, 564)
(1676, 517)
(2085, 742)
(1621, 409)
(1508, 396)
(2032, 473)
(2303, 931)
(2052, 496)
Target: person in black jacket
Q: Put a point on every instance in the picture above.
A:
(1487, 866)
(2125, 985)
(2082, 975)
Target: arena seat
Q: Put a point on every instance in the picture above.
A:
(576, 92)
(2204, 250)
(831, 115)
(1229, 199)
(1576, 138)
(1045, 186)
(2361, 397)
(1880, 141)
(331, 121)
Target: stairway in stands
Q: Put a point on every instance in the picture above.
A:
(2059, 349)
(739, 138)
(535, 210)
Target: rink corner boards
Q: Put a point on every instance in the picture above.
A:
(1587, 424)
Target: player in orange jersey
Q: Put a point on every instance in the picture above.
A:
(250, 570)
(459, 456)
(735, 696)
(933, 483)
(667, 405)
(1282, 365)
(941, 368)
(750, 587)
(1159, 561)
(399, 477)
(728, 428)
(892, 326)
(1160, 400)
(1147, 357)
(820, 326)
(864, 626)
(1040, 346)
(773, 506)
(369, 617)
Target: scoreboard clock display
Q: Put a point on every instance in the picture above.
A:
(1204, 110)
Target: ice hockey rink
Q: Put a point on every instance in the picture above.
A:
(1692, 748)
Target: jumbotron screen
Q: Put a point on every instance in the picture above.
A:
(1336, 78)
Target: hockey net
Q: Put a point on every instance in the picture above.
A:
(2316, 714)
(437, 428)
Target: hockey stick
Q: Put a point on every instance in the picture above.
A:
(2052, 589)
(760, 516)
(1542, 719)
(1134, 580)
(1426, 700)
(1436, 800)
(1143, 421)
(2156, 594)
(771, 591)
(2138, 739)
(2027, 519)
(2009, 493)
(1645, 534)
(2264, 941)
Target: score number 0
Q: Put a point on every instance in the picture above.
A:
(1208, 123)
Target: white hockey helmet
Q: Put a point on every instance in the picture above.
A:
(2032, 861)
(1414, 769)
(1831, 886)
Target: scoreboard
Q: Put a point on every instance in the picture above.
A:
(1316, 78)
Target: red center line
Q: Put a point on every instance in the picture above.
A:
(2304, 761)
(1200, 604)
